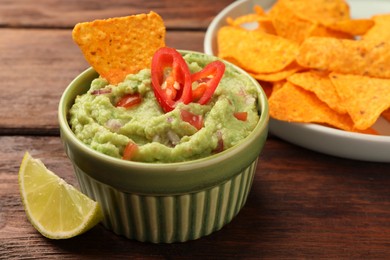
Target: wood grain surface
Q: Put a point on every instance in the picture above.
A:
(38, 64)
(182, 15)
(303, 204)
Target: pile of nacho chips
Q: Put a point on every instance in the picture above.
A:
(315, 62)
(119, 46)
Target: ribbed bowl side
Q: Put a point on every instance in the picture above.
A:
(167, 219)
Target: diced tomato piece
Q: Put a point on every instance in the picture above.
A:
(130, 100)
(194, 120)
(241, 115)
(130, 150)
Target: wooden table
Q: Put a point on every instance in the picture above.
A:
(303, 204)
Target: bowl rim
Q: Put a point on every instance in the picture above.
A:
(177, 168)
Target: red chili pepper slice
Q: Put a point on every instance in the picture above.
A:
(171, 78)
(194, 120)
(130, 150)
(130, 100)
(199, 91)
(208, 79)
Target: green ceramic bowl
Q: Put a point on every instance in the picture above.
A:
(164, 202)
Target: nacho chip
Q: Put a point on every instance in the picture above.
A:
(323, 31)
(288, 24)
(275, 87)
(294, 104)
(267, 87)
(248, 18)
(380, 31)
(320, 84)
(346, 56)
(259, 10)
(365, 98)
(267, 26)
(321, 11)
(386, 114)
(253, 22)
(326, 36)
(352, 27)
(298, 19)
(278, 85)
(119, 46)
(255, 51)
(279, 75)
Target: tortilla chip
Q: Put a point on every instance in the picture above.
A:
(265, 25)
(279, 75)
(278, 85)
(364, 97)
(259, 10)
(288, 25)
(320, 84)
(321, 11)
(346, 56)
(323, 31)
(253, 22)
(294, 104)
(119, 46)
(248, 18)
(267, 87)
(370, 131)
(255, 51)
(380, 31)
(353, 27)
(386, 114)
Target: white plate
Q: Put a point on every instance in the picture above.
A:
(316, 137)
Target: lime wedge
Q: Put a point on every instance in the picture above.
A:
(55, 208)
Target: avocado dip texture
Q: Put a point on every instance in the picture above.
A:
(164, 137)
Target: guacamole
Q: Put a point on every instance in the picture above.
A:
(165, 136)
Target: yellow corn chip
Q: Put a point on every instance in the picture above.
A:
(253, 22)
(321, 11)
(323, 31)
(288, 24)
(119, 46)
(365, 98)
(353, 27)
(267, 87)
(271, 87)
(279, 75)
(259, 10)
(386, 114)
(294, 104)
(255, 51)
(346, 56)
(278, 85)
(320, 84)
(248, 18)
(380, 31)
(298, 86)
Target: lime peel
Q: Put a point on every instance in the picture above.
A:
(55, 208)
